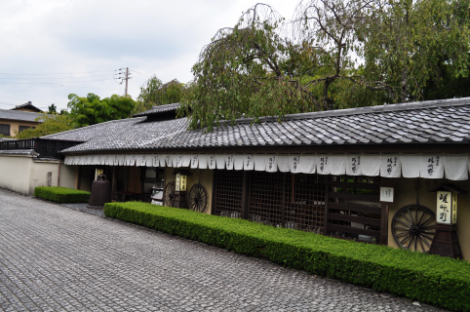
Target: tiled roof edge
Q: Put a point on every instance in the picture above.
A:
(361, 110)
(163, 108)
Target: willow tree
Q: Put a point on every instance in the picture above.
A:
(241, 73)
(407, 44)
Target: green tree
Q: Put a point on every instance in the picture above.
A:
(157, 93)
(50, 124)
(411, 44)
(52, 109)
(241, 74)
(90, 110)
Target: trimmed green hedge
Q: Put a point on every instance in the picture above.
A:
(430, 279)
(62, 194)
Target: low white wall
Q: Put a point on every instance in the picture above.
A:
(23, 173)
(15, 172)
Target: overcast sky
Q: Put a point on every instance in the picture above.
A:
(51, 48)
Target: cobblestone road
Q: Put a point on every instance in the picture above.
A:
(53, 258)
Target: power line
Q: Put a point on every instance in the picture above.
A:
(55, 77)
(97, 71)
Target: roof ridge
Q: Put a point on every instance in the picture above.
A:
(360, 110)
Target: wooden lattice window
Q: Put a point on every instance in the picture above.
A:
(354, 210)
(228, 193)
(294, 201)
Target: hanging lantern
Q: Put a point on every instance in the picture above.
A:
(446, 241)
(181, 182)
(446, 209)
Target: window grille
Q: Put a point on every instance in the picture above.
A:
(294, 201)
(228, 193)
(354, 210)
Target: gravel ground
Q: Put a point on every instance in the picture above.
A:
(54, 258)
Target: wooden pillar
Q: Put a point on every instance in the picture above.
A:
(384, 224)
(245, 195)
(113, 183)
(79, 177)
(327, 199)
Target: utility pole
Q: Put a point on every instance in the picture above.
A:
(127, 78)
(123, 76)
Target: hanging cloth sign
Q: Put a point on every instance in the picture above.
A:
(203, 159)
(271, 163)
(260, 162)
(131, 160)
(248, 162)
(220, 160)
(185, 162)
(390, 166)
(148, 161)
(337, 165)
(179, 161)
(353, 165)
(431, 167)
(142, 161)
(370, 165)
(98, 160)
(307, 164)
(283, 163)
(229, 162)
(323, 164)
(238, 162)
(211, 162)
(194, 161)
(169, 161)
(155, 160)
(294, 163)
(410, 166)
(456, 167)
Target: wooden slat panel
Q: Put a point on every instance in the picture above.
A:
(364, 197)
(362, 186)
(352, 230)
(356, 219)
(351, 207)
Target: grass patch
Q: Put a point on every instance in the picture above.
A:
(61, 194)
(435, 280)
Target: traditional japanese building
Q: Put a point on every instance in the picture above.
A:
(376, 174)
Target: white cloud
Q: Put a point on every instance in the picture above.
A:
(91, 39)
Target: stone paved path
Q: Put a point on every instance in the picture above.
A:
(53, 258)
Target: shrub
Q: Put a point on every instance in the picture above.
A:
(430, 279)
(62, 194)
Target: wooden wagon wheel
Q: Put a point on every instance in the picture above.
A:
(413, 228)
(169, 194)
(198, 198)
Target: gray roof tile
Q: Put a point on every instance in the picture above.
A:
(19, 115)
(424, 122)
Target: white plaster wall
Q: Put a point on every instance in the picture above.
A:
(15, 172)
(68, 176)
(39, 172)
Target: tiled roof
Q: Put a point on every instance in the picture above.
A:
(28, 152)
(18, 115)
(28, 105)
(445, 121)
(155, 110)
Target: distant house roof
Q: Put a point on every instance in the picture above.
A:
(156, 110)
(19, 115)
(421, 123)
(27, 106)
